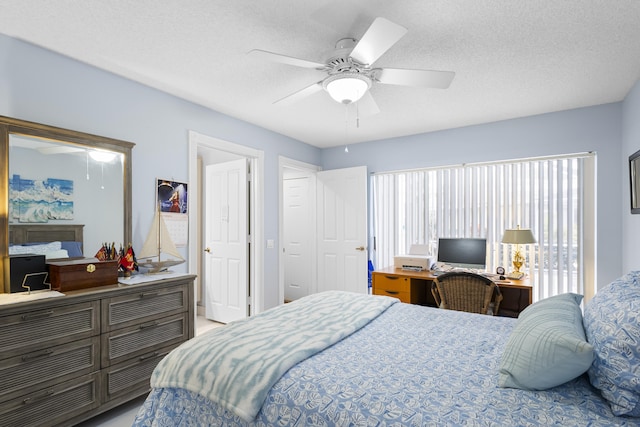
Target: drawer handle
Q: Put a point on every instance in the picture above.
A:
(148, 325)
(392, 292)
(36, 355)
(29, 400)
(148, 356)
(33, 316)
(392, 277)
(148, 294)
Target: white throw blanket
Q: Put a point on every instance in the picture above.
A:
(236, 365)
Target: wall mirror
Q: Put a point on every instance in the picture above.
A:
(61, 185)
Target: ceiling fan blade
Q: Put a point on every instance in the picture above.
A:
(367, 105)
(424, 78)
(301, 94)
(59, 149)
(284, 59)
(381, 35)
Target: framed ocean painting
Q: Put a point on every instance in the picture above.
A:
(39, 201)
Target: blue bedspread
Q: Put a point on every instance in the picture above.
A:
(411, 366)
(237, 365)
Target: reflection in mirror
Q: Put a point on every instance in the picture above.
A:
(60, 184)
(51, 182)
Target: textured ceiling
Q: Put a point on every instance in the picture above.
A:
(511, 58)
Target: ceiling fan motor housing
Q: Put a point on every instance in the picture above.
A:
(348, 80)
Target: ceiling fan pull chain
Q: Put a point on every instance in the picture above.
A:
(346, 128)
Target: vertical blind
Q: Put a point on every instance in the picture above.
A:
(546, 195)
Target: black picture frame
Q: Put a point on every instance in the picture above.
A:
(634, 182)
(172, 196)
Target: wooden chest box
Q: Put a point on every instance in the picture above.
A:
(82, 273)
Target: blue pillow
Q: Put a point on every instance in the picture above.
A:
(547, 346)
(73, 248)
(612, 324)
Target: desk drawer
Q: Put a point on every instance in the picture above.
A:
(391, 283)
(402, 296)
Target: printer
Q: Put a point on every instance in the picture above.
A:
(417, 259)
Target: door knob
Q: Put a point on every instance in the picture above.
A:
(360, 248)
(207, 250)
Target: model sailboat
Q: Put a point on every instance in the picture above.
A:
(157, 244)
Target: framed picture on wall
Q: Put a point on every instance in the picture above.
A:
(634, 179)
(172, 202)
(172, 196)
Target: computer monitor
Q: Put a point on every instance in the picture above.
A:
(463, 252)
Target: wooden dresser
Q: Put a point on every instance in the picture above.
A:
(66, 359)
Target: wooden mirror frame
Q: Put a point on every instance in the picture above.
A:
(10, 126)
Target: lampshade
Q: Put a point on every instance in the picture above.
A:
(518, 237)
(347, 87)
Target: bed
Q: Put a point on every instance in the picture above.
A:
(410, 365)
(52, 240)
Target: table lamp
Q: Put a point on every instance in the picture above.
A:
(518, 237)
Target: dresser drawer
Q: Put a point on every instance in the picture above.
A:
(131, 376)
(134, 341)
(129, 309)
(32, 330)
(51, 406)
(391, 283)
(47, 366)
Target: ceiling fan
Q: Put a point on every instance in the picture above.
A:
(350, 68)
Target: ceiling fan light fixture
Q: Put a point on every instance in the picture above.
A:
(102, 156)
(346, 88)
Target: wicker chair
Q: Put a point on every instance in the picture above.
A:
(468, 292)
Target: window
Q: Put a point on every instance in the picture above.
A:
(552, 196)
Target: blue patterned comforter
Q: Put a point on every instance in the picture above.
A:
(237, 365)
(410, 366)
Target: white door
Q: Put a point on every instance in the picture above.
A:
(298, 237)
(342, 229)
(226, 241)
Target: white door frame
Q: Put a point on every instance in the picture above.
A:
(287, 163)
(256, 218)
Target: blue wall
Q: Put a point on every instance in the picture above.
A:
(41, 86)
